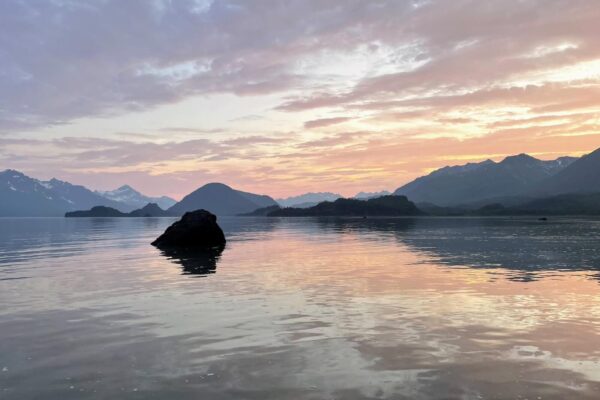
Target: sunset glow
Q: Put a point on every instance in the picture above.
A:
(288, 97)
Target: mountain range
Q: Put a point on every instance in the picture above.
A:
(311, 199)
(520, 176)
(308, 199)
(512, 182)
(21, 195)
(581, 176)
(134, 199)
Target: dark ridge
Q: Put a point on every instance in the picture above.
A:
(388, 206)
(149, 210)
(221, 200)
(514, 176)
(98, 211)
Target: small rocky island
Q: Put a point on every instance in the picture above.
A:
(384, 206)
(149, 210)
(195, 230)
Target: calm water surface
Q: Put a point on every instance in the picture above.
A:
(302, 309)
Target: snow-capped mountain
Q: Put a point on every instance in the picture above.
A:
(132, 198)
(21, 195)
(474, 182)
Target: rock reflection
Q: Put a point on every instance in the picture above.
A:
(199, 262)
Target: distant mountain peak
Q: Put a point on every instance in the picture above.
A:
(308, 199)
(217, 185)
(473, 182)
(150, 209)
(453, 169)
(565, 159)
(581, 175)
(13, 172)
(55, 181)
(523, 156)
(221, 199)
(134, 199)
(520, 158)
(151, 206)
(127, 188)
(371, 195)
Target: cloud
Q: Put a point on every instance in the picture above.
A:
(426, 83)
(473, 46)
(345, 161)
(323, 122)
(63, 60)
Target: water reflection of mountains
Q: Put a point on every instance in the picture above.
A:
(528, 247)
(525, 246)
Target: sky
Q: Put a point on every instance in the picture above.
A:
(286, 97)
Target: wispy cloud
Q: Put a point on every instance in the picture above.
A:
(357, 95)
(320, 123)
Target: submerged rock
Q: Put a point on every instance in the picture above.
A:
(195, 230)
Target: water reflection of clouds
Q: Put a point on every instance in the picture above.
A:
(353, 310)
(527, 248)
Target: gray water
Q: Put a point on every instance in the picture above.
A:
(420, 308)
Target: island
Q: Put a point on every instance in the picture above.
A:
(384, 206)
(149, 210)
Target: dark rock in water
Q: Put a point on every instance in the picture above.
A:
(543, 219)
(195, 230)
